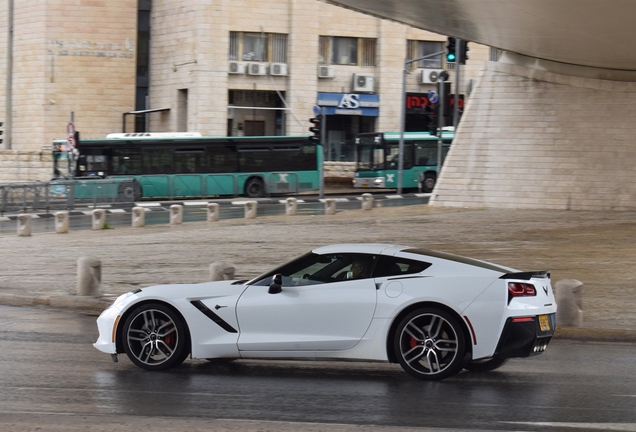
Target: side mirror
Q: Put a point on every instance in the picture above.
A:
(277, 284)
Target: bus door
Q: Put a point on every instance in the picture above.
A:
(392, 156)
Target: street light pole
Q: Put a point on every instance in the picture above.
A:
(403, 116)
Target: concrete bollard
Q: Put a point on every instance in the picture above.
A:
(250, 209)
(221, 271)
(330, 206)
(24, 225)
(61, 222)
(176, 214)
(569, 299)
(213, 212)
(367, 201)
(291, 206)
(99, 219)
(138, 217)
(89, 276)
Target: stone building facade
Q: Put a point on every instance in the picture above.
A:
(79, 60)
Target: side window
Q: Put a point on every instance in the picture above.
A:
(393, 266)
(314, 269)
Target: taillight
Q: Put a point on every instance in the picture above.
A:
(520, 289)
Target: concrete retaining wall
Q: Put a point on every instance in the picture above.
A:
(531, 138)
(22, 166)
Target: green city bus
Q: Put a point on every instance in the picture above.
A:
(135, 166)
(377, 160)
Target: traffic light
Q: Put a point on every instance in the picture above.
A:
(315, 129)
(1, 131)
(463, 51)
(432, 110)
(451, 50)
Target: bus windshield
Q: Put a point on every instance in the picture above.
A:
(370, 153)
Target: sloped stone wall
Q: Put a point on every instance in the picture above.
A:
(530, 138)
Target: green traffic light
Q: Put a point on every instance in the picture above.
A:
(450, 57)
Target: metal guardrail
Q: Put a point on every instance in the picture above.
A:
(63, 194)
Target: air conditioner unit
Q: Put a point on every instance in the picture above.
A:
(236, 68)
(326, 72)
(257, 69)
(363, 82)
(430, 76)
(278, 69)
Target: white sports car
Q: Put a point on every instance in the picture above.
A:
(433, 313)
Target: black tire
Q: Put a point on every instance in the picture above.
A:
(428, 184)
(486, 365)
(155, 337)
(128, 191)
(254, 188)
(429, 344)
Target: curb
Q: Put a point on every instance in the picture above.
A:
(165, 205)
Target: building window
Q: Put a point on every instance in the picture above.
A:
(349, 51)
(417, 49)
(262, 47)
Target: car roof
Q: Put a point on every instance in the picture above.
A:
(416, 253)
(370, 248)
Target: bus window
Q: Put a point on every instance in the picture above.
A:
(222, 158)
(189, 161)
(393, 154)
(92, 163)
(126, 161)
(158, 161)
(426, 153)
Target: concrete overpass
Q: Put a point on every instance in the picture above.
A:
(551, 125)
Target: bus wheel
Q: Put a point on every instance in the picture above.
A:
(429, 182)
(254, 188)
(129, 191)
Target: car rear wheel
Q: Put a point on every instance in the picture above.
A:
(155, 337)
(429, 344)
(486, 365)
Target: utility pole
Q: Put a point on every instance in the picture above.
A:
(403, 116)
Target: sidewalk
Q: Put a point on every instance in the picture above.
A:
(596, 248)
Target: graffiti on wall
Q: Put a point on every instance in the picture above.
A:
(91, 49)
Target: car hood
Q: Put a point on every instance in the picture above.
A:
(177, 293)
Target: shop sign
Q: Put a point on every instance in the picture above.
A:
(350, 104)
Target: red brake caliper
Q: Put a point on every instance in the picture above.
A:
(169, 340)
(413, 342)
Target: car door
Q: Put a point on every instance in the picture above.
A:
(330, 316)
(307, 315)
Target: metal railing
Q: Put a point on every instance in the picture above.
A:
(55, 195)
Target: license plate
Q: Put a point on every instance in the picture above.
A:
(544, 323)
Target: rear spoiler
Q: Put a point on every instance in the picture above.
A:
(542, 274)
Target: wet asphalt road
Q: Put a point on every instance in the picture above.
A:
(53, 379)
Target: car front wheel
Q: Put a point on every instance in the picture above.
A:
(155, 337)
(430, 344)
